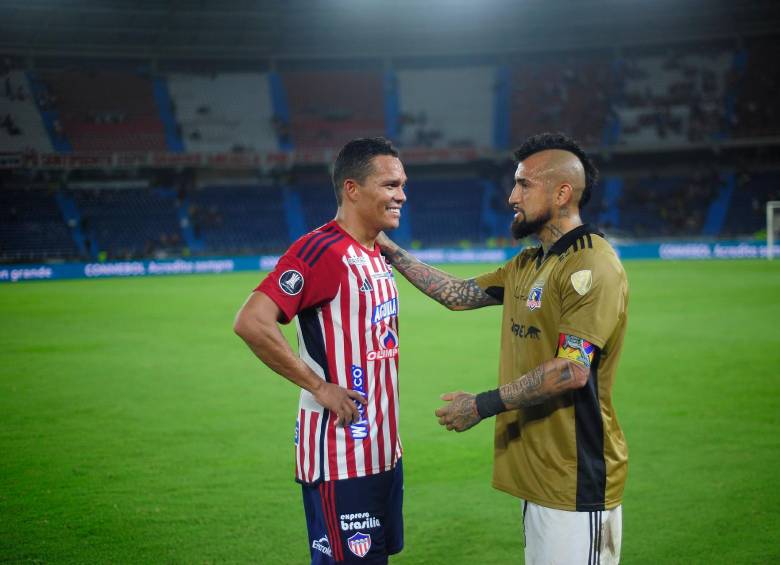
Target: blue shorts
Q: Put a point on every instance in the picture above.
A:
(363, 514)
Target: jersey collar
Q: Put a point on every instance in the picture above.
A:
(566, 241)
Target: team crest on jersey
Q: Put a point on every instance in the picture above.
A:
(359, 544)
(535, 296)
(297, 432)
(388, 345)
(291, 282)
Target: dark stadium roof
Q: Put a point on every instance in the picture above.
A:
(280, 29)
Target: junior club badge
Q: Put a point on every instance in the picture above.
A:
(534, 301)
(582, 281)
(359, 544)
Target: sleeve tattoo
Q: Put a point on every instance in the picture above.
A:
(549, 379)
(450, 291)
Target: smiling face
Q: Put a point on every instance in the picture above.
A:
(378, 199)
(531, 198)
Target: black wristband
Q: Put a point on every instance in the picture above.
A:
(489, 404)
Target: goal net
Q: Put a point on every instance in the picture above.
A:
(772, 227)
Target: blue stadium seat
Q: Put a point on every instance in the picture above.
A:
(32, 227)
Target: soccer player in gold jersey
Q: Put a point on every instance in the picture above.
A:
(558, 444)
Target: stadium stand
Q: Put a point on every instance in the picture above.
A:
(756, 111)
(32, 227)
(239, 219)
(673, 97)
(129, 223)
(446, 212)
(465, 120)
(107, 111)
(318, 203)
(747, 212)
(636, 100)
(327, 109)
(566, 92)
(667, 205)
(224, 112)
(21, 127)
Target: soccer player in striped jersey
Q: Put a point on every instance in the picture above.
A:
(336, 284)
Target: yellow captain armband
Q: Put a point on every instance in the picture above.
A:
(575, 349)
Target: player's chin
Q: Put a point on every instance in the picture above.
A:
(391, 222)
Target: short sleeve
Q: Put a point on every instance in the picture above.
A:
(594, 293)
(295, 286)
(493, 283)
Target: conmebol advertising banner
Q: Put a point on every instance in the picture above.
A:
(108, 269)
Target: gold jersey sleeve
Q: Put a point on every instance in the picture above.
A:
(594, 294)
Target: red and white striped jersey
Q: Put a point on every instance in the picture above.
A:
(346, 303)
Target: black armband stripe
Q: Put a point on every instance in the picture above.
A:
(496, 292)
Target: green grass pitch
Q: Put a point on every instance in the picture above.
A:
(136, 428)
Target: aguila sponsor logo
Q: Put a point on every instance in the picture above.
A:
(359, 429)
(385, 310)
(388, 343)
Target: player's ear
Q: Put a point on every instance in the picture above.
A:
(349, 190)
(564, 194)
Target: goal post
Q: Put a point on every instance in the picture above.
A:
(772, 226)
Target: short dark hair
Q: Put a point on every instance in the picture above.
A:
(544, 141)
(354, 160)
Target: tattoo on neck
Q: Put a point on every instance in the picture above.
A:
(554, 231)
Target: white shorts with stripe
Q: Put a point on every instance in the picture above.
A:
(560, 537)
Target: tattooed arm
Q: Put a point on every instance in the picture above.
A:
(551, 378)
(448, 290)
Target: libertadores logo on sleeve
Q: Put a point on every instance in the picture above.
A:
(291, 282)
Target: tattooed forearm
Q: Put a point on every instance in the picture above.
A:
(452, 292)
(549, 379)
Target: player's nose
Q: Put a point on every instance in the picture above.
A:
(515, 197)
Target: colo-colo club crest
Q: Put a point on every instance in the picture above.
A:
(534, 301)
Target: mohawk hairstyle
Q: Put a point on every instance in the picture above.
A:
(544, 141)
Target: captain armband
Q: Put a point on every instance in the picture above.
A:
(489, 404)
(576, 349)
